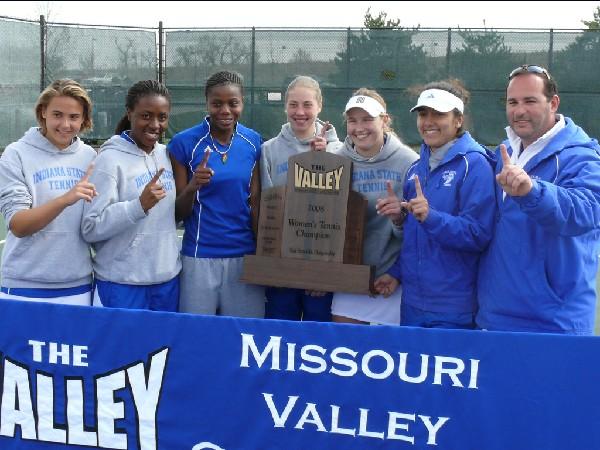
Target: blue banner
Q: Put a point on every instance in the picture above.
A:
(81, 378)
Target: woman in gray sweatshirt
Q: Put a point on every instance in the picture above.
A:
(302, 132)
(43, 177)
(131, 223)
(379, 165)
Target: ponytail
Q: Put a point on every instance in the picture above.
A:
(123, 125)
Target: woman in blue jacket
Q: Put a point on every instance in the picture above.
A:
(451, 209)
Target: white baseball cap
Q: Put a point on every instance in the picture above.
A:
(366, 103)
(440, 100)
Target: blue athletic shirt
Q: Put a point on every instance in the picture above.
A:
(220, 224)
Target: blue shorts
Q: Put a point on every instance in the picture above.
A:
(155, 297)
(295, 304)
(47, 293)
(416, 317)
(77, 295)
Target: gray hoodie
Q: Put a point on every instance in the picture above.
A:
(32, 172)
(131, 247)
(369, 175)
(276, 151)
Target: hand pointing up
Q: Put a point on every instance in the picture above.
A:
(418, 206)
(513, 179)
(82, 190)
(319, 142)
(153, 192)
(391, 205)
(203, 173)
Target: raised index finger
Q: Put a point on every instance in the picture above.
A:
(418, 187)
(505, 157)
(88, 172)
(205, 159)
(390, 190)
(326, 126)
(157, 175)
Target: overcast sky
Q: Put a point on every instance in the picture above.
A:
(523, 14)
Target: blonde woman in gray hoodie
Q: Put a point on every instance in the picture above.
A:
(302, 132)
(380, 162)
(43, 177)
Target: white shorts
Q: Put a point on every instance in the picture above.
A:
(368, 309)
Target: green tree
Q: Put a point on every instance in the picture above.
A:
(593, 24)
(381, 21)
(382, 54)
(482, 63)
(576, 70)
(482, 60)
(577, 66)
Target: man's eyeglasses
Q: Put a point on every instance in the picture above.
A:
(526, 68)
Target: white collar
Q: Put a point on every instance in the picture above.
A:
(535, 147)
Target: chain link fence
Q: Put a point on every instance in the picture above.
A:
(19, 77)
(107, 60)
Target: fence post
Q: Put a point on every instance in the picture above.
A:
(448, 52)
(161, 53)
(348, 59)
(252, 74)
(551, 50)
(42, 53)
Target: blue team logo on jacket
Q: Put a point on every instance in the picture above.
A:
(447, 177)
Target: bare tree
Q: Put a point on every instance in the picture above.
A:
(50, 10)
(56, 40)
(126, 53)
(301, 56)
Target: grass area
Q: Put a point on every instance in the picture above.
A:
(180, 232)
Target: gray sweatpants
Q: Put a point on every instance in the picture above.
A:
(212, 286)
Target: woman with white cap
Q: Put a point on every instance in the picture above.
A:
(379, 164)
(451, 206)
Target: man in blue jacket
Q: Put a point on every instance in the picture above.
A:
(539, 271)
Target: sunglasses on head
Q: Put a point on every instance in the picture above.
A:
(527, 68)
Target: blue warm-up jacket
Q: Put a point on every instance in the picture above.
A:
(539, 271)
(437, 265)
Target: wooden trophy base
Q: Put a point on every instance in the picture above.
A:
(323, 276)
(311, 231)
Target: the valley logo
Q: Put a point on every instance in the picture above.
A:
(29, 396)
